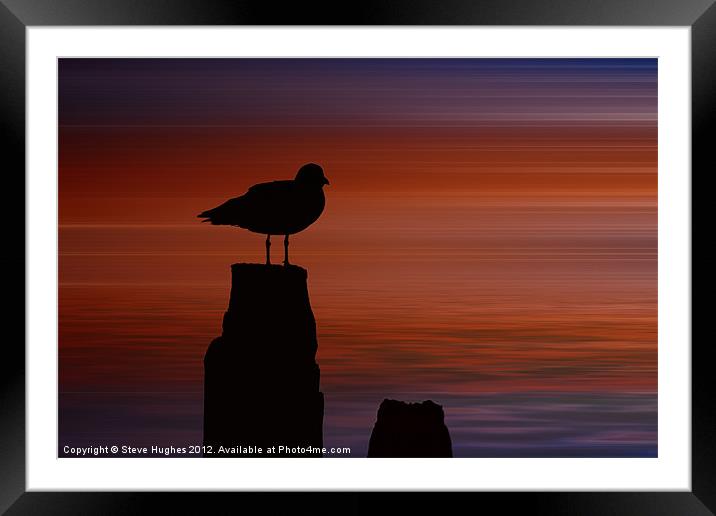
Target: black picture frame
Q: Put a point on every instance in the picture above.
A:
(17, 15)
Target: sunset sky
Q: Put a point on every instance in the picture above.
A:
(489, 241)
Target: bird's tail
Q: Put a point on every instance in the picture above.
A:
(206, 215)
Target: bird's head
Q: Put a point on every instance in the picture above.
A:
(311, 174)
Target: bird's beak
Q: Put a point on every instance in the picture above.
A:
(325, 181)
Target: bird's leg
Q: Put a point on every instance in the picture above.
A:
(268, 249)
(285, 250)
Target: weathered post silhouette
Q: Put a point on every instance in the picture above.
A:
(261, 379)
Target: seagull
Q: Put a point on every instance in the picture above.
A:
(275, 208)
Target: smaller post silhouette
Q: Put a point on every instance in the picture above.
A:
(410, 430)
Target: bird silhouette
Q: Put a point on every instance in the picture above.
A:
(275, 208)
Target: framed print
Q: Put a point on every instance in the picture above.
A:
(420, 249)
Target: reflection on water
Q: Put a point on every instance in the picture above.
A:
(545, 346)
(540, 424)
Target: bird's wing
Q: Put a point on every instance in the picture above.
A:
(256, 203)
(272, 188)
(264, 198)
(219, 214)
